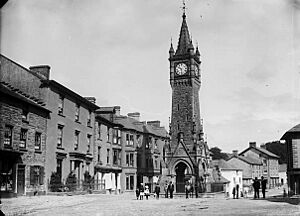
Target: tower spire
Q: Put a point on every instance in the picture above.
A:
(184, 37)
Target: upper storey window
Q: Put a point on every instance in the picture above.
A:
(8, 136)
(89, 118)
(77, 112)
(60, 105)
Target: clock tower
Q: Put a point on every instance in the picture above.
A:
(187, 153)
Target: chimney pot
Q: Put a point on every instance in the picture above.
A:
(252, 144)
(134, 115)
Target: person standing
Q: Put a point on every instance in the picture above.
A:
(233, 192)
(141, 192)
(157, 190)
(263, 186)
(147, 192)
(171, 189)
(187, 189)
(166, 188)
(137, 193)
(256, 186)
(237, 187)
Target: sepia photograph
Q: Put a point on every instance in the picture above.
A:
(150, 107)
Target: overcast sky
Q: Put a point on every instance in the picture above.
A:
(117, 51)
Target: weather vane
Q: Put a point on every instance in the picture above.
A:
(183, 7)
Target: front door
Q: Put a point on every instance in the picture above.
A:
(21, 180)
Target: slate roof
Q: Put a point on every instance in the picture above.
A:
(222, 164)
(7, 89)
(262, 150)
(294, 129)
(249, 160)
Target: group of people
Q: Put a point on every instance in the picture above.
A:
(235, 191)
(169, 189)
(257, 184)
(142, 191)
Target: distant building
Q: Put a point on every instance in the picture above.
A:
(107, 151)
(251, 166)
(269, 162)
(292, 139)
(137, 145)
(226, 171)
(23, 131)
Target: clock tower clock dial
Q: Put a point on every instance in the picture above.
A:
(181, 69)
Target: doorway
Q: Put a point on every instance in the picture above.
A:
(21, 180)
(180, 170)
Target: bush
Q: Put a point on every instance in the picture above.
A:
(55, 182)
(88, 181)
(71, 182)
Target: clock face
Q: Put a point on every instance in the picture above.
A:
(181, 69)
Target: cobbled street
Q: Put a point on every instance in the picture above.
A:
(126, 204)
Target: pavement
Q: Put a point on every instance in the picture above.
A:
(126, 204)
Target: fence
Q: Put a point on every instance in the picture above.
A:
(79, 185)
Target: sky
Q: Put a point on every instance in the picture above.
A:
(117, 51)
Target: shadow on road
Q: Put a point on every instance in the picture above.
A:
(290, 200)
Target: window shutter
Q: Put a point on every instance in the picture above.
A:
(41, 180)
(32, 175)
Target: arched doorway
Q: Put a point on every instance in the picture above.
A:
(182, 175)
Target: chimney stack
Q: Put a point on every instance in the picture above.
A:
(252, 144)
(235, 152)
(41, 71)
(91, 99)
(154, 123)
(117, 110)
(135, 115)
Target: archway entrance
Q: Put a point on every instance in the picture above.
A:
(181, 170)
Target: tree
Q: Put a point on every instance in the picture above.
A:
(55, 182)
(279, 149)
(218, 154)
(71, 182)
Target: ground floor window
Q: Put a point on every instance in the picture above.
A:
(36, 175)
(129, 182)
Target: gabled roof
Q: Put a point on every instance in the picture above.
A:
(7, 89)
(261, 150)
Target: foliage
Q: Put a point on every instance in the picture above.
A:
(218, 154)
(55, 182)
(71, 182)
(88, 181)
(279, 149)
